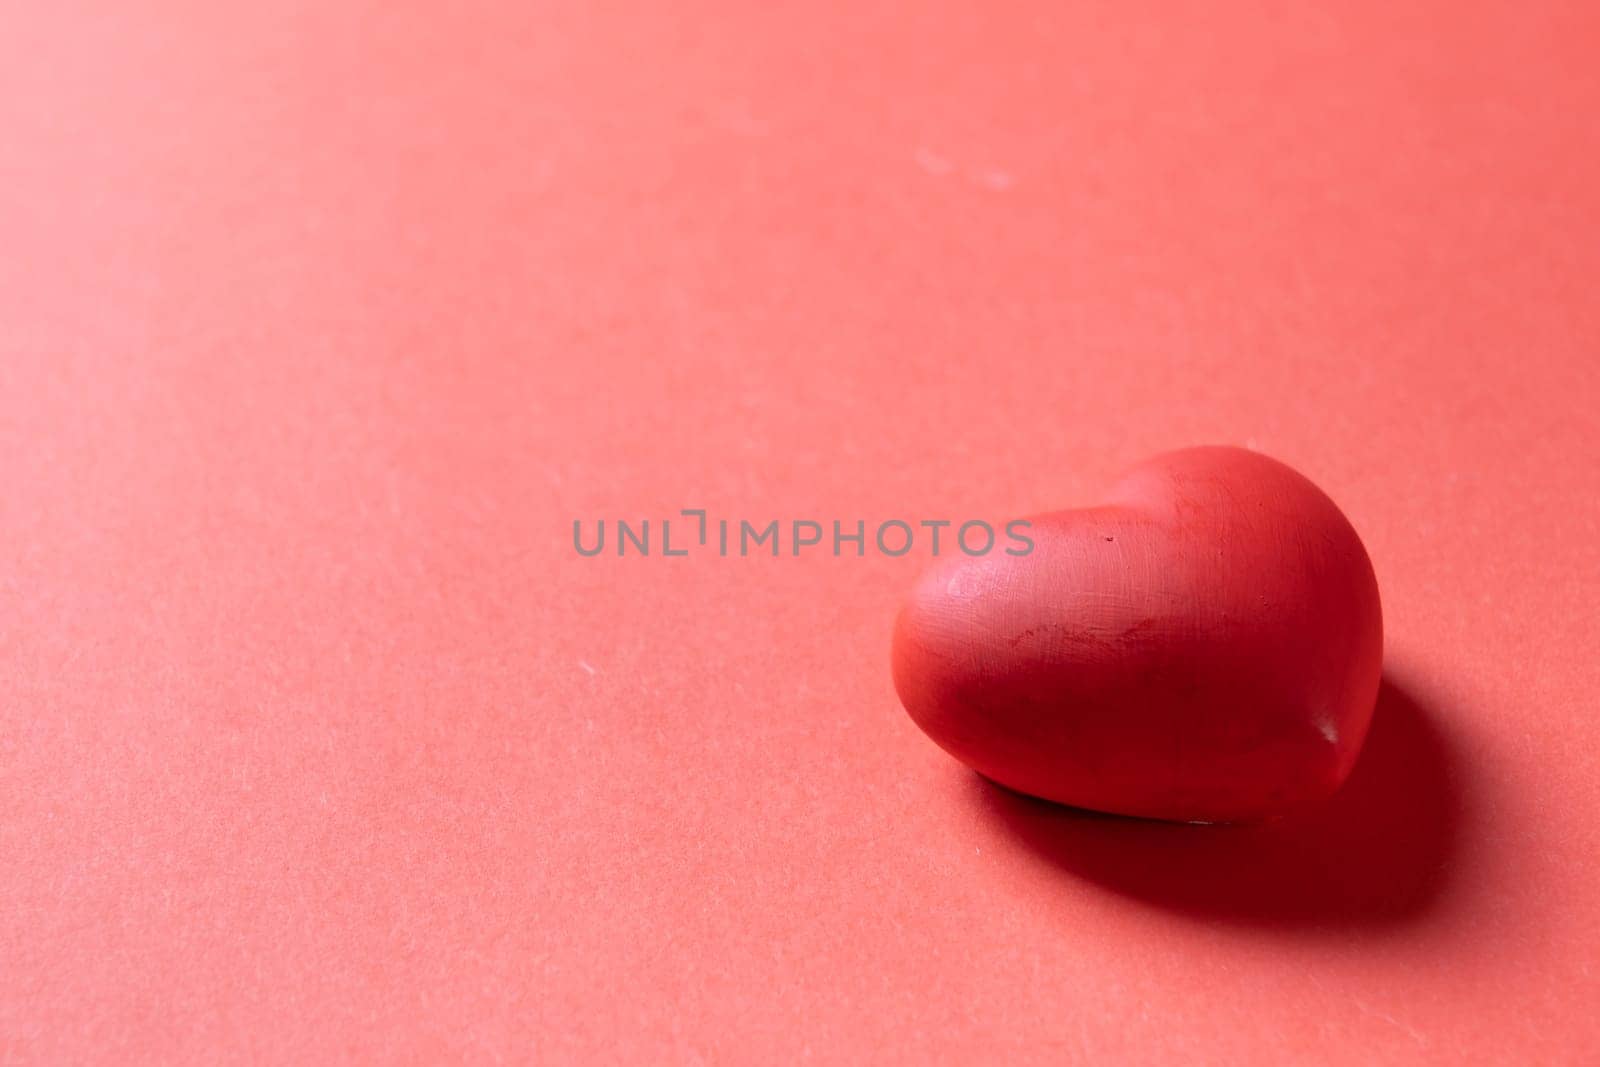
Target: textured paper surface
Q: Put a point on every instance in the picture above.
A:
(320, 323)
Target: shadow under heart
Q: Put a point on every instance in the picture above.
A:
(1379, 851)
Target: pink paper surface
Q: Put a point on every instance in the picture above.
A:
(320, 324)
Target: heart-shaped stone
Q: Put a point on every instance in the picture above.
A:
(1204, 646)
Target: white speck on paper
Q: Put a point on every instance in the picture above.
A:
(1416, 1035)
(586, 667)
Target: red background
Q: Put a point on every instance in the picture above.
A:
(321, 324)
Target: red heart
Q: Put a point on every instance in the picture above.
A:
(1205, 646)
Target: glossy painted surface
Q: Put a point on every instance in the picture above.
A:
(1205, 646)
